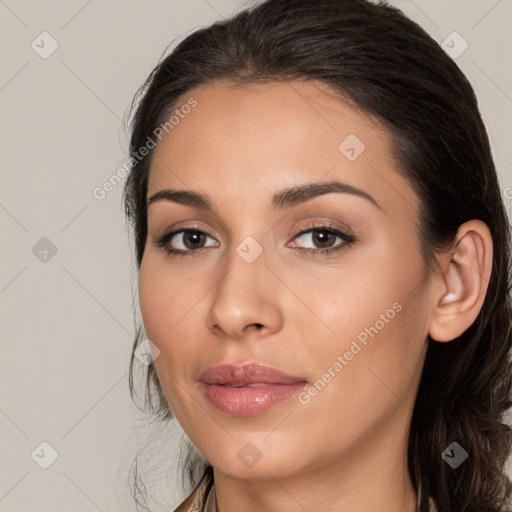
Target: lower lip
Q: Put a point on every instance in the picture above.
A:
(249, 401)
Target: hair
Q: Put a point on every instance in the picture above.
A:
(384, 64)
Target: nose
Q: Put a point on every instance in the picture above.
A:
(244, 302)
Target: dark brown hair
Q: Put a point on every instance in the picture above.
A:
(387, 66)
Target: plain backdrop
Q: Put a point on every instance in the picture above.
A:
(66, 280)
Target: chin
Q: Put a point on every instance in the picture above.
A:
(252, 462)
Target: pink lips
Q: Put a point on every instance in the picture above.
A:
(248, 390)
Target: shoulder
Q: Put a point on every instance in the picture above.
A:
(196, 500)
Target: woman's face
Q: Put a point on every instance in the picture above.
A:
(325, 283)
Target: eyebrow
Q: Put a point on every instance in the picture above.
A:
(283, 199)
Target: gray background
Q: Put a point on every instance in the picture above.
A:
(67, 318)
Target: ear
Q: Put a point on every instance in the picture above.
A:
(463, 282)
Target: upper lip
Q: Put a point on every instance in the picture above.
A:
(239, 375)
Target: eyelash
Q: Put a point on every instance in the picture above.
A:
(348, 240)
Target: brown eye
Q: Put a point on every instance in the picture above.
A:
(322, 239)
(185, 241)
(191, 239)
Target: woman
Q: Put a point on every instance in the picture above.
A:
(324, 270)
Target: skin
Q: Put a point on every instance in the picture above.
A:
(345, 450)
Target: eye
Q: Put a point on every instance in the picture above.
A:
(322, 239)
(184, 241)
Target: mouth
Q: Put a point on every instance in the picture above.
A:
(248, 390)
(243, 375)
(248, 385)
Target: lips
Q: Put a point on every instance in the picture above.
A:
(248, 390)
(247, 375)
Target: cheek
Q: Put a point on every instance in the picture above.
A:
(374, 317)
(167, 308)
(352, 297)
(173, 308)
(153, 298)
(371, 366)
(161, 303)
(164, 297)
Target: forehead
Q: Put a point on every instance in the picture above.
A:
(258, 138)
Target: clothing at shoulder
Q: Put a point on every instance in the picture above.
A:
(196, 500)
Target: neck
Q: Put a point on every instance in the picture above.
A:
(371, 476)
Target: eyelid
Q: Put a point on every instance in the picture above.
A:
(180, 225)
(323, 224)
(184, 226)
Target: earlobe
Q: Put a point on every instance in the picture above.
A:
(463, 282)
